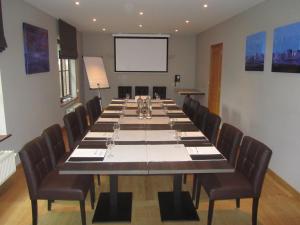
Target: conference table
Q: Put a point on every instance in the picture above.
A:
(168, 143)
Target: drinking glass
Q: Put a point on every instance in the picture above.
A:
(177, 136)
(171, 123)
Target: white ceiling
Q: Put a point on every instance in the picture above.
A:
(160, 16)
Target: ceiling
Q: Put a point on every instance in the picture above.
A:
(160, 16)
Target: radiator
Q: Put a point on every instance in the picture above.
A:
(7, 165)
(72, 107)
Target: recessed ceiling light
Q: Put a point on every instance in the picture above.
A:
(94, 20)
(140, 25)
(77, 3)
(187, 21)
(176, 30)
(141, 13)
(103, 29)
(205, 5)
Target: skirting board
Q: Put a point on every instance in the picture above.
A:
(284, 184)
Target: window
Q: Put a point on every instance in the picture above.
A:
(67, 78)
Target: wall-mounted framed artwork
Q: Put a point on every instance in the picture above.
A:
(36, 49)
(286, 49)
(255, 52)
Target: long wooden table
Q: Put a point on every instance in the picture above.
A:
(116, 206)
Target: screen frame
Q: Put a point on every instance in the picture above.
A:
(140, 71)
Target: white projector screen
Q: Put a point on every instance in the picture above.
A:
(141, 54)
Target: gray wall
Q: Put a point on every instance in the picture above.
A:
(182, 51)
(264, 105)
(31, 102)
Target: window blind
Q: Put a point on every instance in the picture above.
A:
(3, 44)
(67, 40)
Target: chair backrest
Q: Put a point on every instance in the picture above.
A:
(55, 142)
(141, 90)
(186, 102)
(98, 108)
(211, 127)
(192, 108)
(82, 118)
(253, 162)
(73, 130)
(161, 91)
(229, 141)
(200, 117)
(36, 161)
(123, 90)
(93, 112)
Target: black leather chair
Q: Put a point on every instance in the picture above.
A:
(55, 143)
(186, 102)
(161, 91)
(123, 90)
(245, 182)
(82, 118)
(141, 90)
(211, 127)
(93, 110)
(73, 130)
(200, 117)
(228, 144)
(192, 108)
(45, 183)
(97, 105)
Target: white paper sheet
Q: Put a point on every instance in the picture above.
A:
(205, 150)
(191, 134)
(115, 104)
(175, 111)
(158, 112)
(88, 152)
(117, 100)
(167, 153)
(180, 119)
(160, 135)
(99, 135)
(131, 120)
(112, 111)
(130, 112)
(126, 153)
(169, 104)
(131, 105)
(132, 135)
(114, 120)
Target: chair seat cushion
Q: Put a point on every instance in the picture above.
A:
(64, 187)
(226, 186)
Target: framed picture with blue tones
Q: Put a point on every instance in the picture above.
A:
(286, 49)
(36, 49)
(255, 52)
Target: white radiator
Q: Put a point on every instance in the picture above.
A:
(7, 165)
(72, 107)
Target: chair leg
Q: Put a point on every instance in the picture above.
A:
(254, 210)
(49, 205)
(198, 191)
(184, 178)
(194, 186)
(210, 211)
(82, 211)
(92, 193)
(237, 201)
(99, 181)
(34, 208)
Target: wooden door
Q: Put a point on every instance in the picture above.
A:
(215, 78)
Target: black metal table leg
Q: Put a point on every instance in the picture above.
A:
(113, 206)
(177, 205)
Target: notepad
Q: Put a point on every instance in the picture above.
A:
(113, 120)
(115, 104)
(169, 104)
(112, 111)
(207, 150)
(87, 155)
(132, 135)
(160, 135)
(180, 120)
(191, 134)
(99, 135)
(175, 111)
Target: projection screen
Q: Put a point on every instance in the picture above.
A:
(141, 54)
